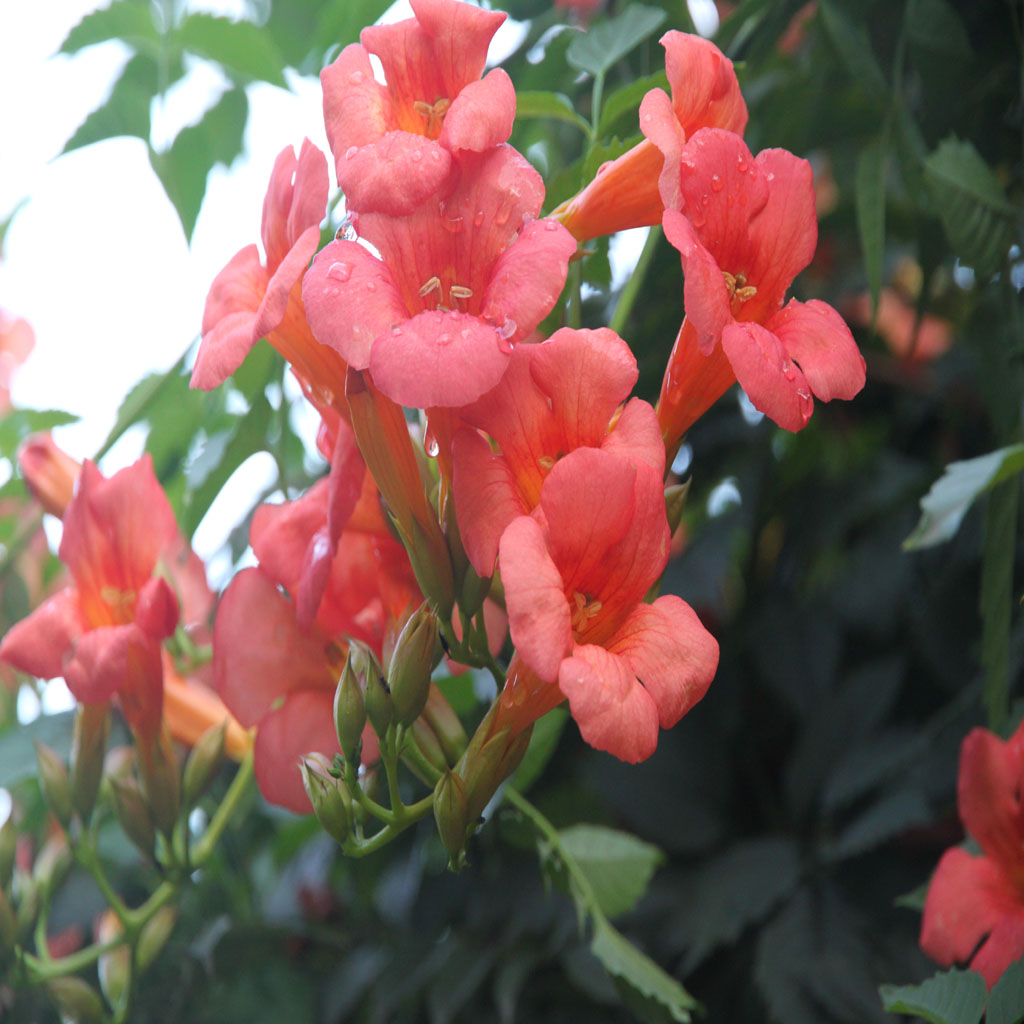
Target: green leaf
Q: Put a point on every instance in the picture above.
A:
(238, 46)
(341, 22)
(1006, 1000)
(890, 816)
(950, 997)
(935, 25)
(971, 203)
(871, 212)
(629, 98)
(547, 731)
(135, 404)
(17, 750)
(617, 865)
(853, 45)
(609, 41)
(19, 424)
(945, 505)
(628, 965)
(549, 105)
(603, 152)
(126, 110)
(184, 168)
(128, 20)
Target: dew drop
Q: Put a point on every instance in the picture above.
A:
(340, 271)
(741, 164)
(506, 332)
(371, 286)
(396, 331)
(351, 152)
(803, 394)
(330, 292)
(478, 219)
(550, 225)
(356, 77)
(769, 176)
(503, 213)
(444, 338)
(415, 156)
(453, 225)
(465, 333)
(699, 218)
(436, 157)
(704, 199)
(430, 445)
(788, 371)
(647, 118)
(716, 183)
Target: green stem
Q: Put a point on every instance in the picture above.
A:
(232, 798)
(409, 815)
(42, 970)
(632, 286)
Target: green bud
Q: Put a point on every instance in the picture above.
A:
(350, 711)
(331, 802)
(675, 504)
(488, 761)
(8, 927)
(113, 967)
(432, 564)
(54, 782)
(8, 849)
(133, 814)
(452, 817)
(27, 900)
(204, 761)
(53, 862)
(379, 708)
(159, 775)
(412, 662)
(76, 1000)
(446, 725)
(88, 746)
(428, 745)
(154, 936)
(470, 588)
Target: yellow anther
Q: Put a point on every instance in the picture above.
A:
(547, 463)
(458, 291)
(737, 286)
(434, 284)
(584, 609)
(432, 113)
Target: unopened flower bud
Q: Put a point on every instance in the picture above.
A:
(428, 745)
(88, 746)
(154, 936)
(490, 758)
(204, 761)
(471, 589)
(53, 862)
(350, 711)
(412, 662)
(452, 817)
(432, 564)
(77, 1001)
(49, 473)
(331, 802)
(133, 814)
(161, 784)
(113, 967)
(379, 708)
(54, 782)
(446, 725)
(675, 504)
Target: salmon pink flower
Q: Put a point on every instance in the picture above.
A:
(562, 394)
(976, 900)
(575, 575)
(460, 281)
(253, 298)
(749, 229)
(103, 633)
(628, 192)
(280, 677)
(393, 144)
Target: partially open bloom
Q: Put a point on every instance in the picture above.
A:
(103, 633)
(557, 396)
(253, 298)
(575, 574)
(749, 228)
(393, 144)
(460, 282)
(975, 907)
(628, 192)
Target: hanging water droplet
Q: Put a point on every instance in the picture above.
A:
(716, 183)
(356, 77)
(340, 271)
(351, 152)
(346, 231)
(430, 445)
(503, 213)
(788, 370)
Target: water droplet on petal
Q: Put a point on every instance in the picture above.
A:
(340, 271)
(741, 164)
(371, 286)
(415, 156)
(769, 176)
(436, 157)
(550, 225)
(647, 118)
(396, 331)
(430, 445)
(804, 394)
(351, 152)
(699, 218)
(704, 199)
(444, 338)
(330, 292)
(788, 370)
(716, 183)
(356, 77)
(478, 219)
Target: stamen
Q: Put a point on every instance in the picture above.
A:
(547, 463)
(432, 113)
(584, 609)
(431, 285)
(458, 291)
(737, 287)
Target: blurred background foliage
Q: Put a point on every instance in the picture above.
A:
(801, 807)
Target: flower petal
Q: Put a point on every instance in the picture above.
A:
(538, 613)
(40, 643)
(637, 436)
(988, 797)
(482, 114)
(816, 337)
(705, 92)
(393, 175)
(613, 711)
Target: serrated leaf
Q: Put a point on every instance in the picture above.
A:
(871, 213)
(935, 25)
(126, 109)
(217, 138)
(550, 105)
(128, 20)
(735, 889)
(238, 46)
(950, 997)
(617, 865)
(971, 203)
(547, 731)
(945, 505)
(629, 98)
(627, 964)
(609, 41)
(853, 45)
(1006, 1000)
